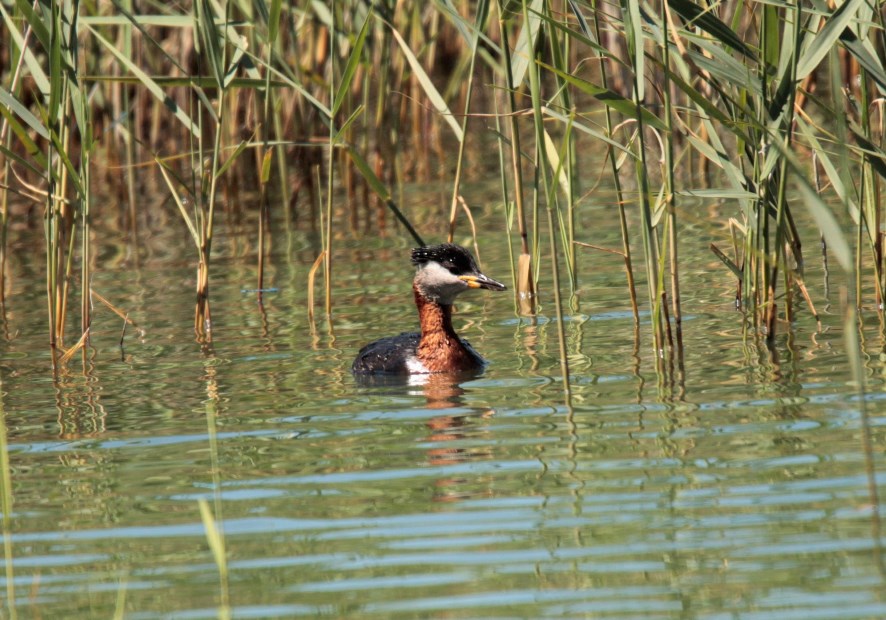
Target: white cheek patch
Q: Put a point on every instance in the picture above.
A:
(439, 285)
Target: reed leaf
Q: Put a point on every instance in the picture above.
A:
(725, 67)
(583, 37)
(35, 21)
(337, 137)
(427, 85)
(62, 153)
(239, 53)
(825, 160)
(556, 164)
(705, 105)
(10, 154)
(34, 67)
(266, 166)
(181, 206)
(140, 20)
(600, 137)
(771, 35)
(274, 20)
(736, 271)
(608, 98)
(819, 44)
(127, 17)
(232, 158)
(873, 154)
(467, 29)
(288, 82)
(149, 84)
(350, 68)
(867, 58)
(17, 108)
(719, 193)
(209, 37)
(702, 18)
(826, 221)
(381, 191)
(324, 15)
(199, 81)
(56, 68)
(633, 26)
(523, 53)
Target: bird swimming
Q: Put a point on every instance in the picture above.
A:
(442, 273)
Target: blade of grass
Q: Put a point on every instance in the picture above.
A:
(35, 21)
(149, 84)
(702, 18)
(819, 44)
(524, 51)
(481, 15)
(868, 59)
(609, 98)
(14, 105)
(381, 191)
(633, 32)
(34, 67)
(427, 84)
(209, 37)
(345, 81)
(181, 207)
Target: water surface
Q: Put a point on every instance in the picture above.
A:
(739, 488)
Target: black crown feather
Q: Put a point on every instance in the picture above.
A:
(453, 257)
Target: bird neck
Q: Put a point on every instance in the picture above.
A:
(435, 318)
(439, 348)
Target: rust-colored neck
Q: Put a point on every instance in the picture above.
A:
(435, 318)
(440, 349)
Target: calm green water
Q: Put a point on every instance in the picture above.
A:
(740, 492)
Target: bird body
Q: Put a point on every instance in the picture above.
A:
(443, 272)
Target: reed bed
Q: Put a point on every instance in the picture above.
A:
(765, 106)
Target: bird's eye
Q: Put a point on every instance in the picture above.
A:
(450, 266)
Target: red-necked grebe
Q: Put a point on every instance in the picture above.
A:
(443, 272)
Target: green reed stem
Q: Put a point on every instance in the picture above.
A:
(6, 140)
(506, 203)
(616, 181)
(566, 166)
(480, 18)
(53, 219)
(670, 190)
(215, 52)
(6, 496)
(85, 248)
(84, 120)
(326, 232)
(266, 97)
(543, 165)
(869, 207)
(558, 305)
(650, 242)
(524, 291)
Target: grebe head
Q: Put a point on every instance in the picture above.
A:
(446, 270)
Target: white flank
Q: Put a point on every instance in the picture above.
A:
(415, 367)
